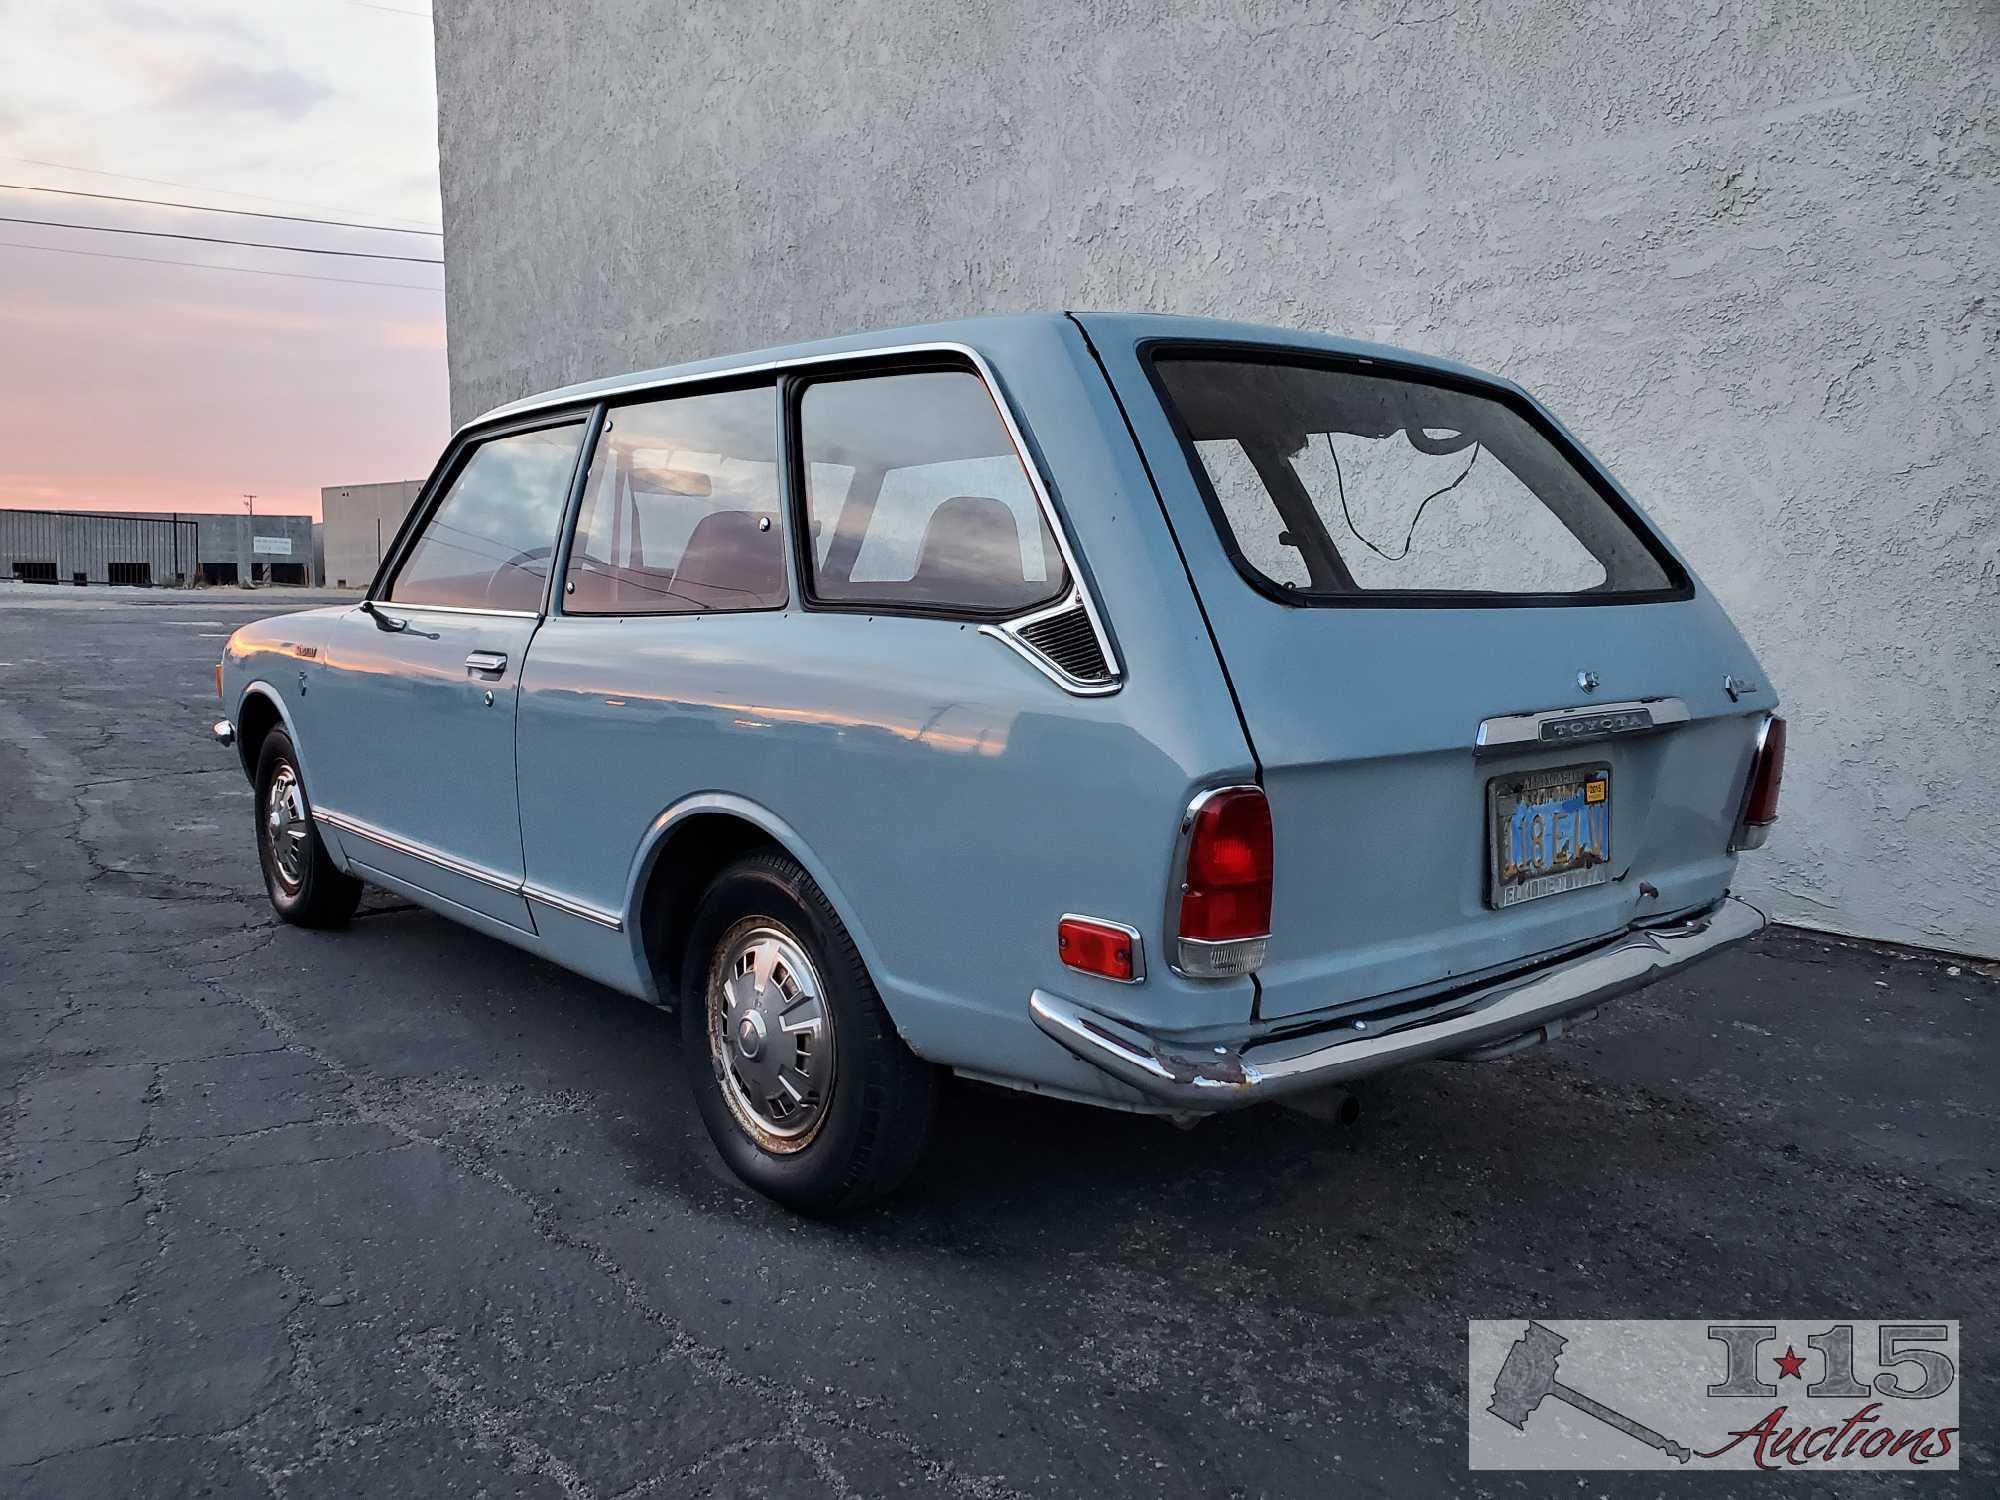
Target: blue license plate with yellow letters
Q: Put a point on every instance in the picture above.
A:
(1548, 832)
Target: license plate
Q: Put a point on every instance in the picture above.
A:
(1547, 832)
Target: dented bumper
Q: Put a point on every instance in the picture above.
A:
(1491, 1018)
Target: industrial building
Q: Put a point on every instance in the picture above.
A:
(1745, 250)
(358, 523)
(144, 550)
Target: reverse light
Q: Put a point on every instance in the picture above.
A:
(1110, 950)
(1225, 868)
(1760, 798)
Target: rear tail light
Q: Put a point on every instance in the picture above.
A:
(1760, 799)
(1108, 949)
(1225, 883)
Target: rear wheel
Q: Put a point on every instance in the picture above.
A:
(305, 886)
(801, 1079)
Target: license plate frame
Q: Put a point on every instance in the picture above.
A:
(1513, 802)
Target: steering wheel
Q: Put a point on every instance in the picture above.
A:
(511, 564)
(584, 560)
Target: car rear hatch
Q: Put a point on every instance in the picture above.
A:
(1488, 703)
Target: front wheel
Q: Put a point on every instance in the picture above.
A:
(305, 885)
(805, 1087)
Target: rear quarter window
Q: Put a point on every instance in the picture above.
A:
(916, 498)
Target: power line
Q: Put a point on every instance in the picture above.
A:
(203, 208)
(63, 166)
(209, 239)
(204, 265)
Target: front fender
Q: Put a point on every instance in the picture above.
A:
(262, 689)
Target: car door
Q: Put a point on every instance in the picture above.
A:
(414, 759)
(677, 561)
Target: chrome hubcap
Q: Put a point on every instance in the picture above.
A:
(286, 828)
(770, 1035)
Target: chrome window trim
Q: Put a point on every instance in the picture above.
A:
(1175, 944)
(416, 850)
(446, 471)
(1008, 633)
(1131, 932)
(642, 384)
(1523, 731)
(1742, 836)
(570, 906)
(396, 606)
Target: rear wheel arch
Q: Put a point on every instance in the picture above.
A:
(690, 844)
(686, 856)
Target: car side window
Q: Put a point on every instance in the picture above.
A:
(917, 497)
(680, 509)
(488, 543)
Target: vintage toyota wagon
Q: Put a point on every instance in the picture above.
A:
(1164, 714)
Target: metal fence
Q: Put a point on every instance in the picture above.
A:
(51, 546)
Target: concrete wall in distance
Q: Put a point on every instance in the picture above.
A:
(281, 545)
(360, 522)
(1748, 250)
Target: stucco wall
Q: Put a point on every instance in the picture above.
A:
(1751, 253)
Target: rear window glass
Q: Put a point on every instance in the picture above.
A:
(1329, 482)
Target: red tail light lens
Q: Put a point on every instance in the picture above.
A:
(1226, 884)
(1767, 774)
(1104, 948)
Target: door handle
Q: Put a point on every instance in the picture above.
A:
(486, 661)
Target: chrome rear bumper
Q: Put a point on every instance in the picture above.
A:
(1229, 1076)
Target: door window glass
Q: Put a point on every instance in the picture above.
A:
(680, 509)
(917, 497)
(488, 543)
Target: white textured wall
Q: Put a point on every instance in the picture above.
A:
(1751, 252)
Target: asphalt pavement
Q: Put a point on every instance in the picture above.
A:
(400, 1210)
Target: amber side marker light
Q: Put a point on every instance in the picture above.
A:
(218, 682)
(1760, 800)
(1106, 949)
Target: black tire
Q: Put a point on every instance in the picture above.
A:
(875, 1117)
(305, 887)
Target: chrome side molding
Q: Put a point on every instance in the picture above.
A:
(570, 906)
(1568, 726)
(1526, 1007)
(387, 840)
(540, 895)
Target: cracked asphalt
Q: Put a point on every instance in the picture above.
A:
(401, 1210)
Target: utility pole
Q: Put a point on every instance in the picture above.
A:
(250, 504)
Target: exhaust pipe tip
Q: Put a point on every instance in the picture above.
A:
(1330, 1106)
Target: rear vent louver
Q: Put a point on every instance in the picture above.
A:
(1069, 641)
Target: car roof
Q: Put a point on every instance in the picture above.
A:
(975, 333)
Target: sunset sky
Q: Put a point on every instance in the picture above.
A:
(129, 385)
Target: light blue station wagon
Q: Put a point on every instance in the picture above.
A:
(1159, 713)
